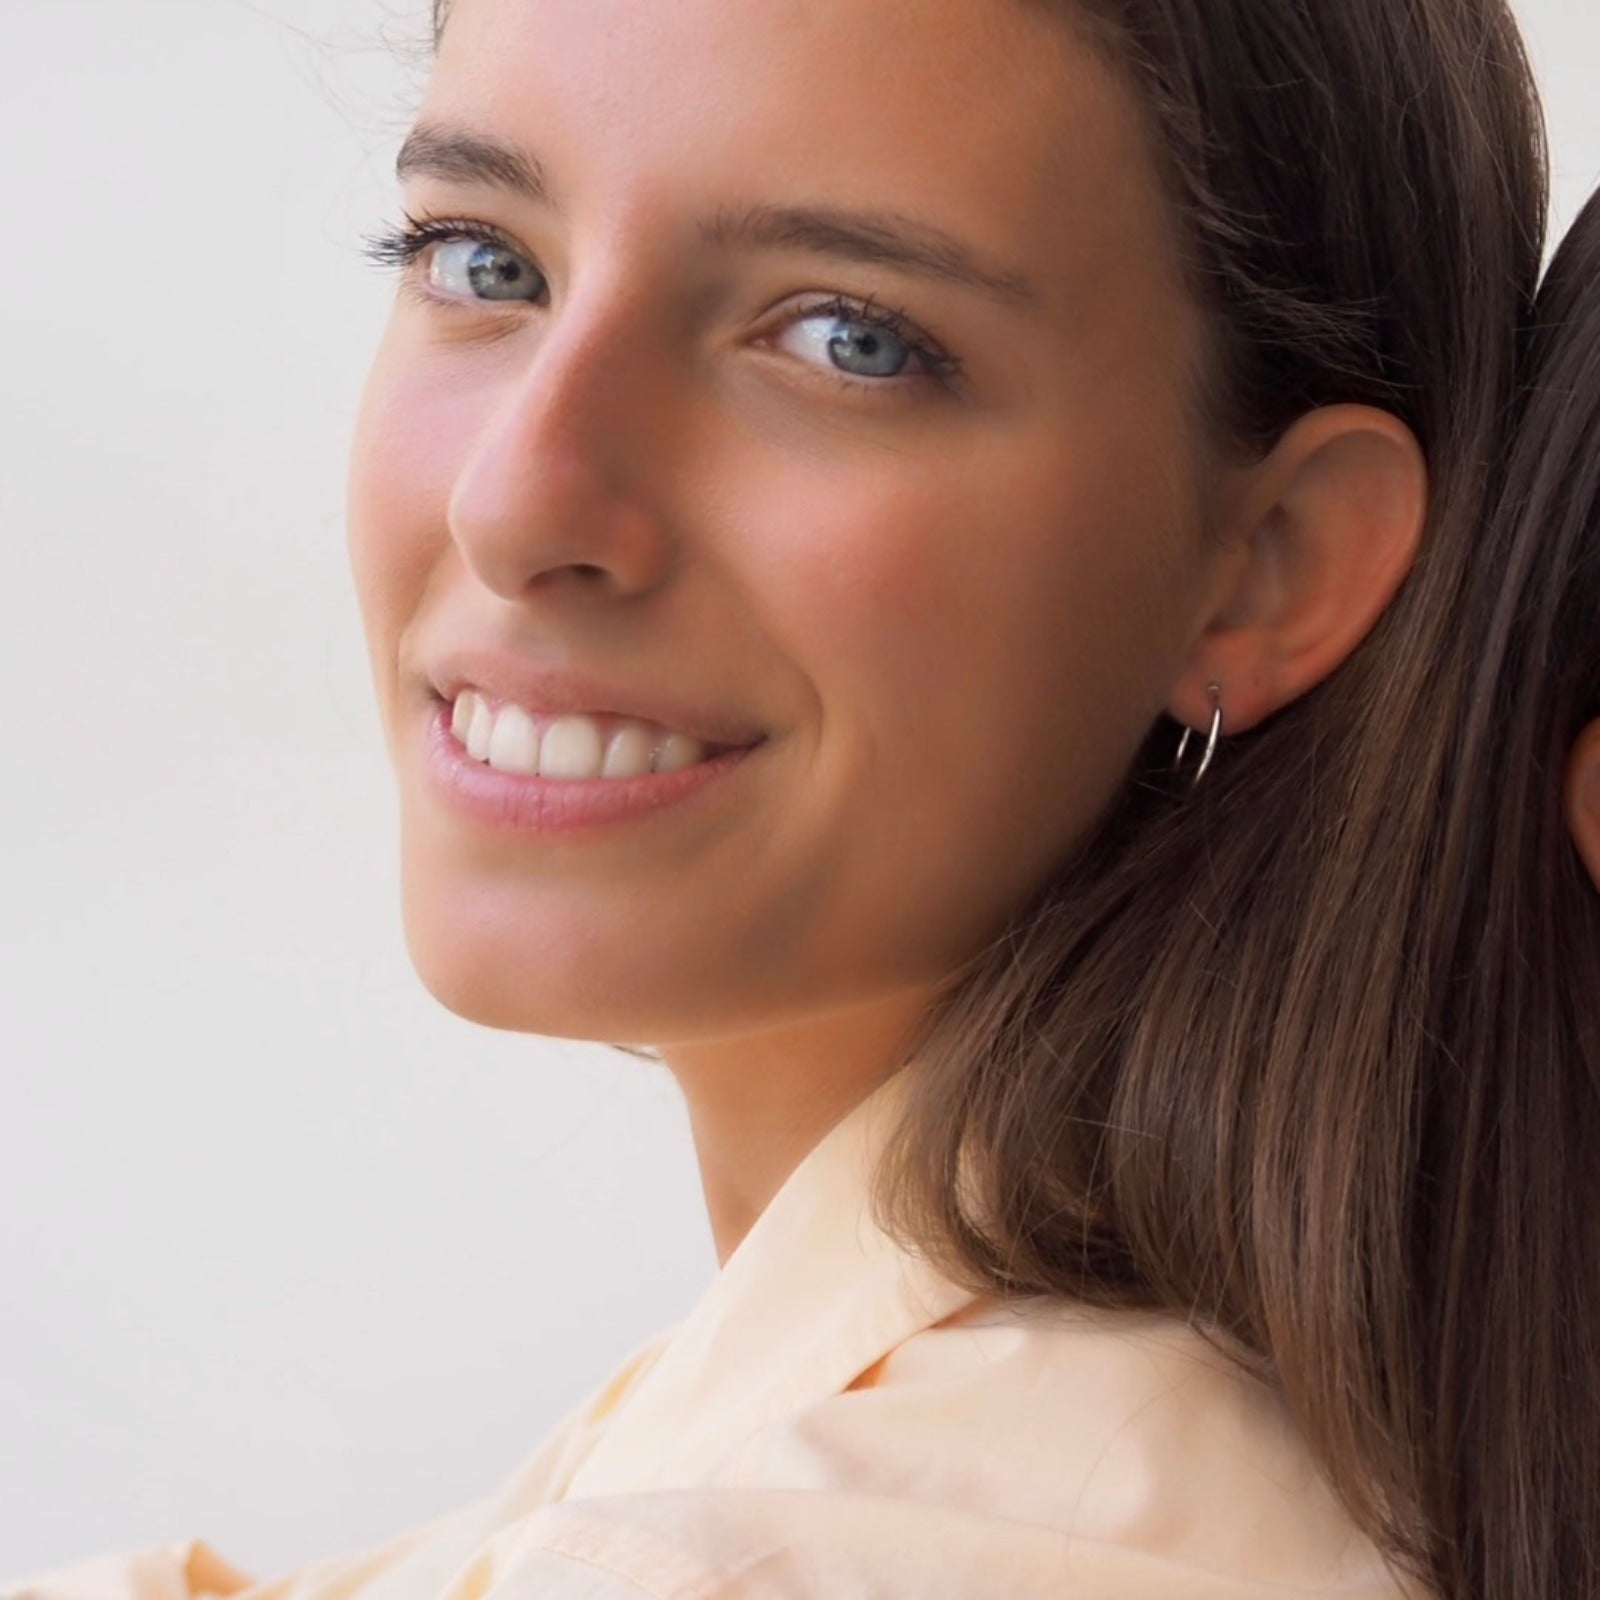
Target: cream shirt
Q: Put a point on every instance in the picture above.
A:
(835, 1421)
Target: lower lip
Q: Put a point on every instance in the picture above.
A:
(515, 804)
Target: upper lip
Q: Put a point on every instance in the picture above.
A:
(562, 690)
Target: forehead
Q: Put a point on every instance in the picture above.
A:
(986, 117)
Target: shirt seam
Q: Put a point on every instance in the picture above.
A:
(626, 1553)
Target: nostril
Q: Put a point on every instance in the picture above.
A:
(586, 571)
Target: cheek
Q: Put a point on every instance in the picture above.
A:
(1001, 628)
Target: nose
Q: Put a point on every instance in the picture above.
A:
(555, 490)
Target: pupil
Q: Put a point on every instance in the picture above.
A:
(494, 268)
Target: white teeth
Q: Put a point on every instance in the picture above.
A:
(572, 747)
(479, 731)
(628, 754)
(679, 750)
(514, 745)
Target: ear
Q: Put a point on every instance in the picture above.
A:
(1582, 797)
(1317, 537)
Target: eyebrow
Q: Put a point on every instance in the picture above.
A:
(873, 238)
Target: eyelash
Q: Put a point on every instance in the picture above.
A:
(402, 247)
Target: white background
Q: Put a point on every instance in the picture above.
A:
(290, 1257)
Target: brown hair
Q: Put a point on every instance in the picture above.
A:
(1311, 1055)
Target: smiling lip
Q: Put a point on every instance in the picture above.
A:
(507, 677)
(512, 803)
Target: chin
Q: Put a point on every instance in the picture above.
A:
(483, 987)
(469, 969)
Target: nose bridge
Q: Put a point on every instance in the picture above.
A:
(563, 412)
(560, 472)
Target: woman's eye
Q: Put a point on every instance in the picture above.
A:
(853, 345)
(478, 269)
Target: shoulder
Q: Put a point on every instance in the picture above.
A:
(1033, 1449)
(1123, 1427)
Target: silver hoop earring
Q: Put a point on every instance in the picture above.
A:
(1215, 691)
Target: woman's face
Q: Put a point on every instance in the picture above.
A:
(652, 437)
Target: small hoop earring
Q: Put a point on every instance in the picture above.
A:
(1215, 691)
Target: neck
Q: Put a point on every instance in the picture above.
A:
(760, 1102)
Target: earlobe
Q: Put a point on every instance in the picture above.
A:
(1324, 530)
(1582, 797)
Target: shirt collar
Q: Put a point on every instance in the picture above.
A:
(812, 1297)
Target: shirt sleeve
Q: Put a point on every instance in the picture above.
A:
(190, 1570)
(193, 1570)
(785, 1544)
